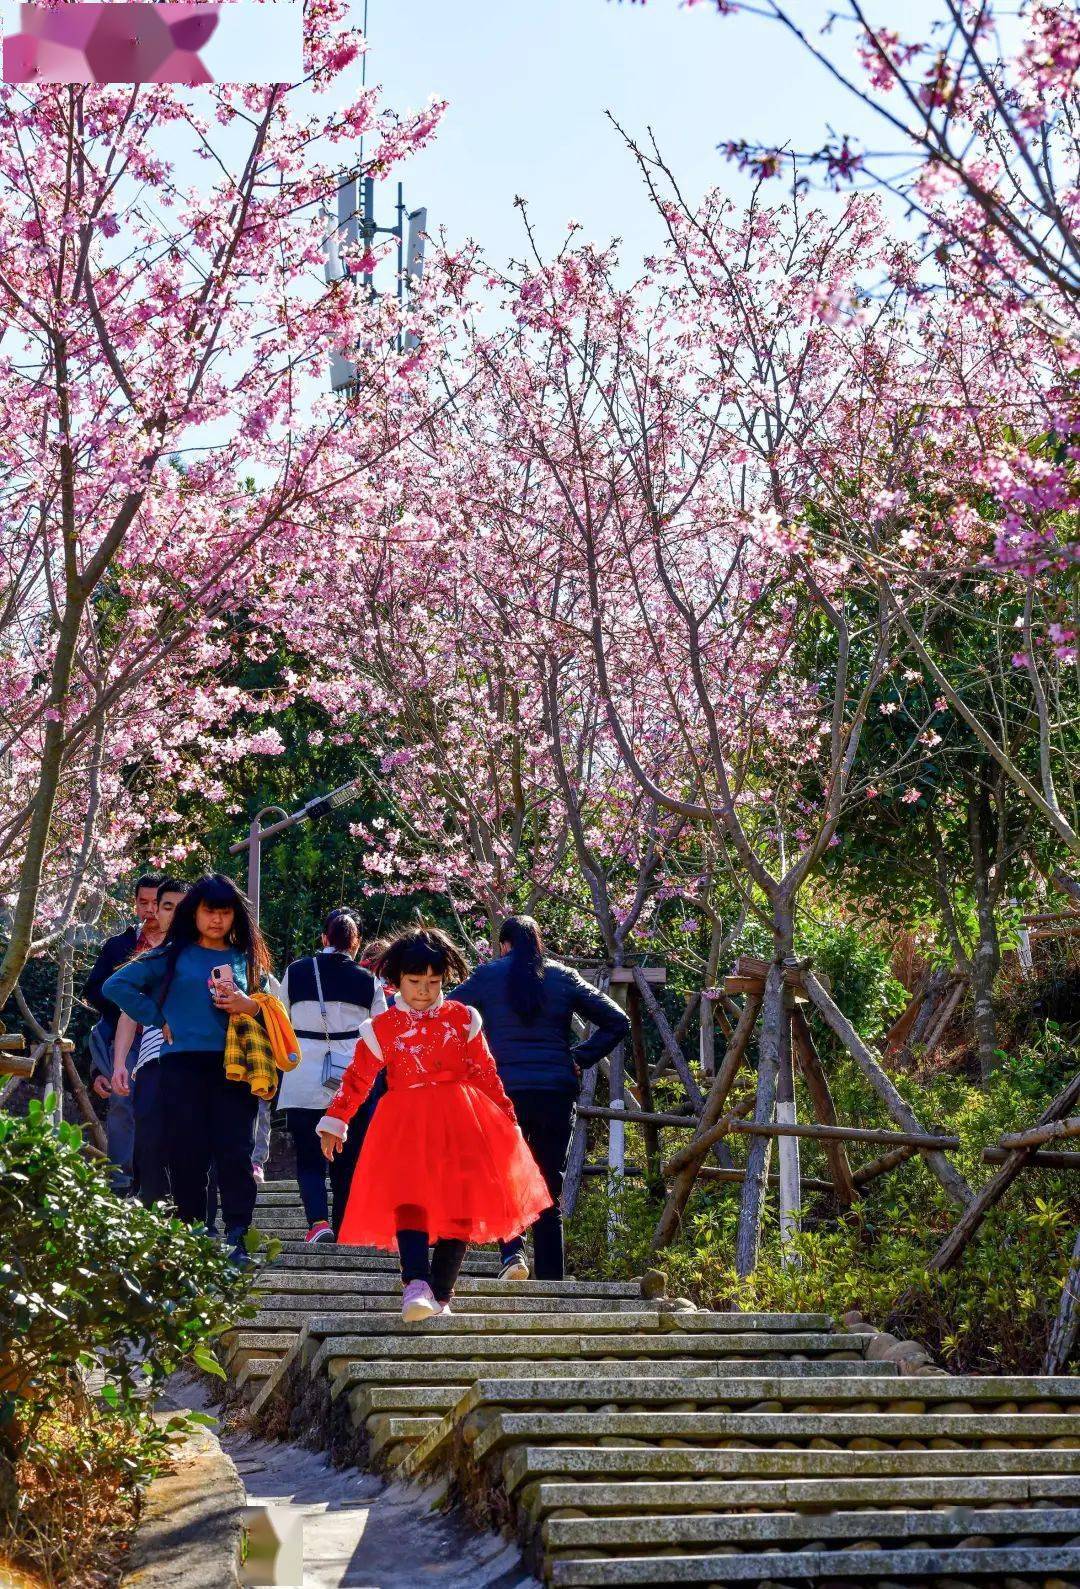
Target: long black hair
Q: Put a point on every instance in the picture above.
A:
(217, 890)
(419, 949)
(522, 936)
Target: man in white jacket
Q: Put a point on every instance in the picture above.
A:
(328, 997)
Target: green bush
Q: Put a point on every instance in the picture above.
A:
(92, 1280)
(100, 1299)
(991, 1313)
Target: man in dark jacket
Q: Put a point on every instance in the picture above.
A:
(116, 952)
(530, 1034)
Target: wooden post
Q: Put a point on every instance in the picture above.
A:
(54, 1079)
(617, 1101)
(1067, 1324)
(711, 1111)
(575, 1161)
(707, 1037)
(667, 1037)
(787, 1152)
(82, 1098)
(998, 1185)
(817, 1084)
(650, 1131)
(773, 1019)
(953, 1182)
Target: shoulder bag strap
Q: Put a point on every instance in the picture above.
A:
(322, 1001)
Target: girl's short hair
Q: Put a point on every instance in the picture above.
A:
(420, 949)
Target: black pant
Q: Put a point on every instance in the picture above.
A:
(151, 1153)
(547, 1124)
(209, 1121)
(312, 1167)
(440, 1268)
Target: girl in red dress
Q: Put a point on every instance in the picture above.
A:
(443, 1160)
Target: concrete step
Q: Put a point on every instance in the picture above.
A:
(437, 1370)
(871, 1567)
(794, 1530)
(840, 1429)
(713, 1327)
(645, 1497)
(576, 1464)
(255, 1372)
(312, 1278)
(334, 1349)
(294, 1253)
(991, 1397)
(388, 1300)
(242, 1344)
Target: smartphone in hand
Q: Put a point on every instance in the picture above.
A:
(222, 982)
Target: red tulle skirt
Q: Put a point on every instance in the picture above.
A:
(448, 1151)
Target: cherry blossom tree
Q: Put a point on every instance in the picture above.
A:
(146, 322)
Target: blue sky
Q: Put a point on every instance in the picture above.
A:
(529, 82)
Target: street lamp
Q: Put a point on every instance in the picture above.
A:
(257, 834)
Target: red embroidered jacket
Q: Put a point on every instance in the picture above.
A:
(418, 1048)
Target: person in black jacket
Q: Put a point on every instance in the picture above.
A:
(527, 1003)
(114, 953)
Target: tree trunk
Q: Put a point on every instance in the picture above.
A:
(787, 1149)
(773, 1023)
(986, 960)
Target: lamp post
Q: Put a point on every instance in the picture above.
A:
(258, 835)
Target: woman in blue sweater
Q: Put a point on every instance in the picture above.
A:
(528, 1003)
(209, 1120)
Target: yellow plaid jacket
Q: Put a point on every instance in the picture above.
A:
(249, 1055)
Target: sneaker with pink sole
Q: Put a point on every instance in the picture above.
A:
(419, 1303)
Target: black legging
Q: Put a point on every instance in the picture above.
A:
(546, 1119)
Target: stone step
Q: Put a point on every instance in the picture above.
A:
(645, 1497)
(715, 1428)
(714, 1327)
(478, 1261)
(283, 1366)
(623, 1394)
(388, 1300)
(629, 1535)
(437, 1370)
(242, 1344)
(254, 1374)
(871, 1567)
(573, 1464)
(392, 1438)
(431, 1340)
(988, 1397)
(311, 1278)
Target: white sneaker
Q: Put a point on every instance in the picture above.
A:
(419, 1302)
(445, 1311)
(515, 1268)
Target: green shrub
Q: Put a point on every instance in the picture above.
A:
(97, 1295)
(90, 1279)
(991, 1313)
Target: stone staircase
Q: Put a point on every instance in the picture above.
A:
(629, 1440)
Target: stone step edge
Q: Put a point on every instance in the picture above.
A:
(569, 1533)
(867, 1565)
(624, 1498)
(529, 1463)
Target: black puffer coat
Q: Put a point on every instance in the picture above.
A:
(539, 1053)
